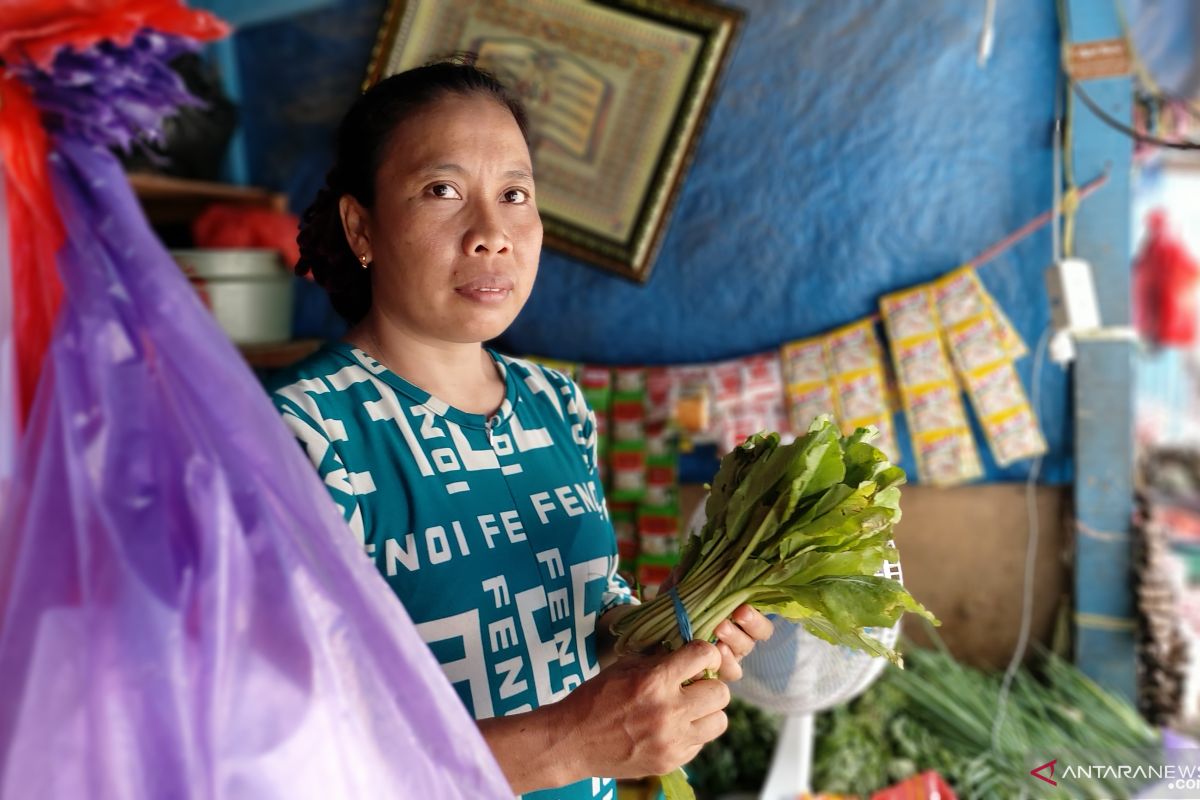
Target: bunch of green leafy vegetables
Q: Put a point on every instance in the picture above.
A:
(799, 530)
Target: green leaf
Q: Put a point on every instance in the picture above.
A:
(733, 470)
(675, 786)
(834, 497)
(857, 639)
(861, 601)
(837, 531)
(807, 567)
(837, 608)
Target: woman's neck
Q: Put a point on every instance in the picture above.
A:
(461, 374)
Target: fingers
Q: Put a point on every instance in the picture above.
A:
(735, 639)
(731, 665)
(705, 698)
(709, 727)
(692, 659)
(753, 622)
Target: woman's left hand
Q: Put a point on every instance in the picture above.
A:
(736, 637)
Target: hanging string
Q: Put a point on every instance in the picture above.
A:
(1039, 221)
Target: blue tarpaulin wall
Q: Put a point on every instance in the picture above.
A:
(854, 148)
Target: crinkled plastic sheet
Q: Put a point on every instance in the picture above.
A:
(8, 364)
(184, 613)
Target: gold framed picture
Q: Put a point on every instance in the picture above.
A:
(617, 92)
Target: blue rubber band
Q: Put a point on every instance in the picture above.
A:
(681, 616)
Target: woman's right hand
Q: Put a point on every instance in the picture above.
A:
(636, 717)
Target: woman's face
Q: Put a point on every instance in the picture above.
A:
(455, 234)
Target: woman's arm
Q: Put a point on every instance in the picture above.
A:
(527, 749)
(634, 719)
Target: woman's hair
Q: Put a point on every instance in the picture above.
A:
(362, 140)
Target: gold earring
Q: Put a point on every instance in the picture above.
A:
(363, 259)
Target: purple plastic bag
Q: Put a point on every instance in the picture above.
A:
(183, 612)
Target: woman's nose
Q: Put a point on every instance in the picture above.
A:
(486, 235)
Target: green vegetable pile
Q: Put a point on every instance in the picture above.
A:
(797, 530)
(737, 761)
(938, 714)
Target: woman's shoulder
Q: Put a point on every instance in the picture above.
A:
(533, 375)
(325, 361)
(525, 367)
(545, 385)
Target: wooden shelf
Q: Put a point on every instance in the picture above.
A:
(168, 200)
(277, 356)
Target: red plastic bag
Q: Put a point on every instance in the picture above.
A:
(37, 29)
(926, 786)
(224, 225)
(35, 286)
(1165, 284)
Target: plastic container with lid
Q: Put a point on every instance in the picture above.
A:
(249, 291)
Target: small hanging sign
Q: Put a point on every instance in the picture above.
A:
(1103, 58)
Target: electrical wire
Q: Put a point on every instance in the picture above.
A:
(1056, 150)
(1152, 88)
(1059, 161)
(1031, 509)
(1117, 125)
(1064, 24)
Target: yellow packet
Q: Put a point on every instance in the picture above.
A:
(942, 443)
(1014, 436)
(1014, 345)
(861, 394)
(804, 362)
(1007, 420)
(806, 403)
(975, 343)
(853, 348)
(920, 361)
(947, 458)
(909, 314)
(960, 296)
(995, 389)
(936, 408)
(809, 392)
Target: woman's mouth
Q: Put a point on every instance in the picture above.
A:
(487, 289)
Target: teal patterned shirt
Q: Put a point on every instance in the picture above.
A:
(492, 531)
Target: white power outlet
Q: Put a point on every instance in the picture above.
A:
(1073, 305)
(1072, 296)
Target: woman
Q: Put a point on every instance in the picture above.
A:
(470, 476)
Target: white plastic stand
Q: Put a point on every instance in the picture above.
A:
(791, 765)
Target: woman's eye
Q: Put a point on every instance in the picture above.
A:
(443, 190)
(516, 196)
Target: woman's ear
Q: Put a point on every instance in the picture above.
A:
(356, 224)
